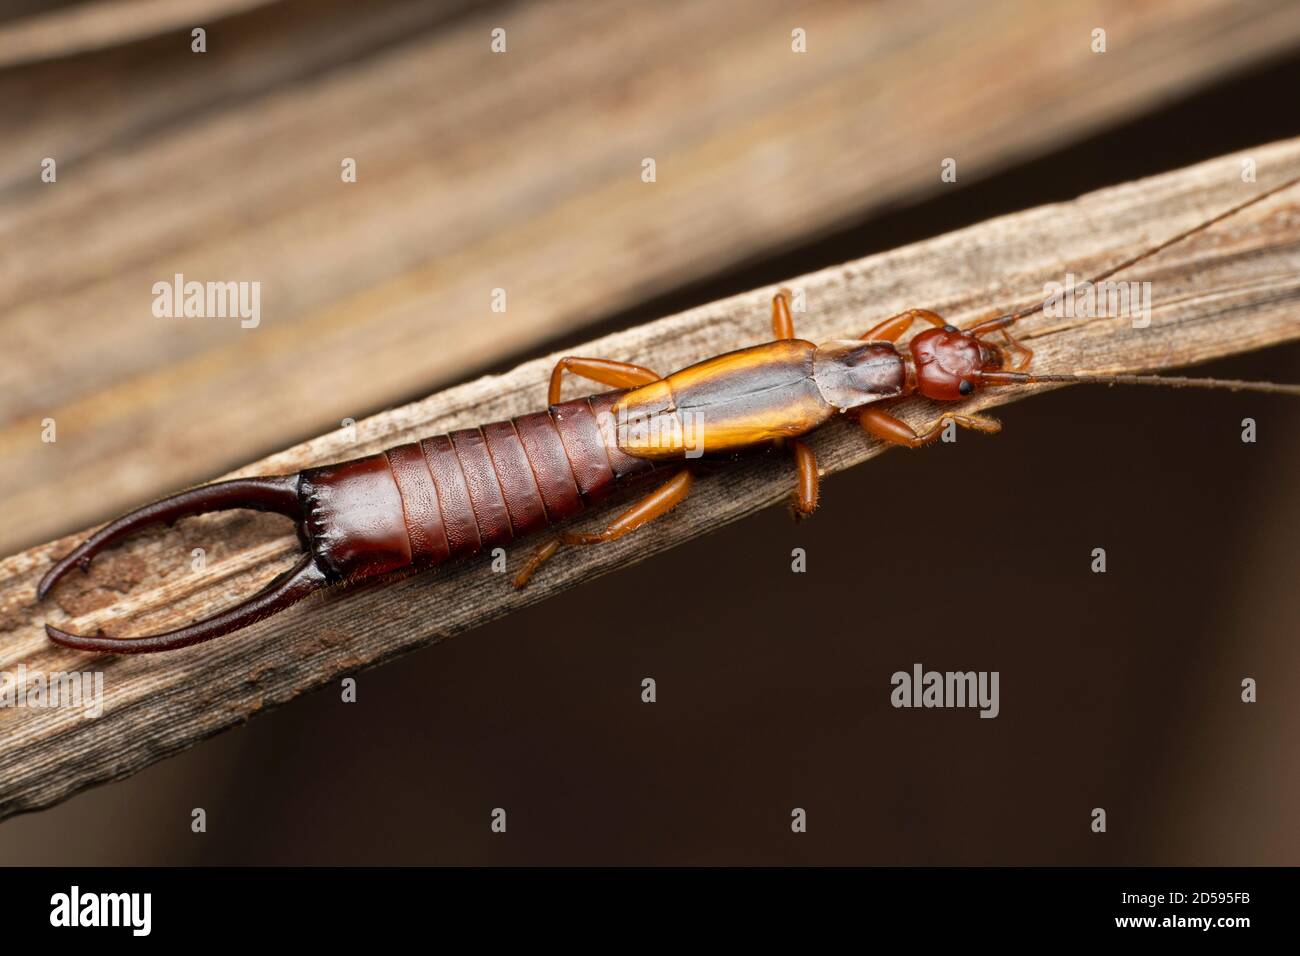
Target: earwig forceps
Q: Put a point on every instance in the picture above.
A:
(277, 494)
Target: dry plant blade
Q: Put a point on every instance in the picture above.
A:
(1230, 290)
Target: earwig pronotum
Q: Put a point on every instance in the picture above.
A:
(450, 496)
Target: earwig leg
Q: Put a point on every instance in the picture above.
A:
(604, 371)
(1002, 323)
(654, 505)
(540, 557)
(782, 320)
(1026, 354)
(805, 492)
(894, 430)
(894, 326)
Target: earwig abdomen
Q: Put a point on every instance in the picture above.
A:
(353, 518)
(451, 496)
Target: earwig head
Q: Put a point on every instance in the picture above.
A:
(949, 361)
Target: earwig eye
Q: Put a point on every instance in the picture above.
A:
(950, 328)
(966, 387)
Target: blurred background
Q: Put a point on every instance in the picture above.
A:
(522, 170)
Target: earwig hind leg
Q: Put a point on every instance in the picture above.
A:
(809, 481)
(654, 505)
(888, 428)
(782, 319)
(540, 557)
(894, 326)
(604, 371)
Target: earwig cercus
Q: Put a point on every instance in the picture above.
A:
(450, 496)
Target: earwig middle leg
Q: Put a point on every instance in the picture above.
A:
(894, 326)
(894, 430)
(605, 371)
(654, 505)
(809, 481)
(782, 319)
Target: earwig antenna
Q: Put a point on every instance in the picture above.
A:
(1175, 381)
(1170, 381)
(1002, 321)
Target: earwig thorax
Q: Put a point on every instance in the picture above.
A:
(850, 373)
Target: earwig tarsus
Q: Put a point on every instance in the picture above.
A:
(450, 496)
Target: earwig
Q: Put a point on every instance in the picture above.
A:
(451, 496)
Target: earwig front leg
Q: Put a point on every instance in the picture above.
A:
(782, 319)
(604, 371)
(894, 430)
(894, 326)
(1026, 354)
(654, 505)
(805, 492)
(1003, 323)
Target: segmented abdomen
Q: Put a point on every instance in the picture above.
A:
(453, 495)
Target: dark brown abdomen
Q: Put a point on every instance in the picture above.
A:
(453, 495)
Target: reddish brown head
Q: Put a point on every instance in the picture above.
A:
(949, 362)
